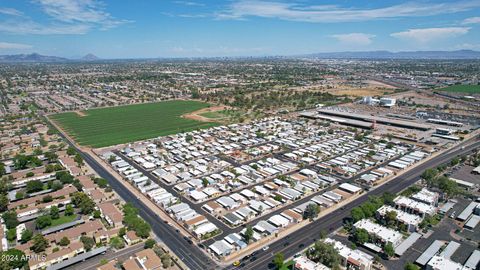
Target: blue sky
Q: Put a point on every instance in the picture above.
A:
(176, 28)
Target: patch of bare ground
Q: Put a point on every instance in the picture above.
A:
(81, 113)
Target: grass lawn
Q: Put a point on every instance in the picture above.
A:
(122, 124)
(468, 89)
(215, 115)
(62, 220)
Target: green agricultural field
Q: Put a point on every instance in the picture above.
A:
(467, 89)
(122, 124)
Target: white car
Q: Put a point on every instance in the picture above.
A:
(265, 248)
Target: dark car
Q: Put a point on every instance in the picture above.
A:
(245, 258)
(286, 244)
(301, 245)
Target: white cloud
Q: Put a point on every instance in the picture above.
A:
(14, 46)
(361, 39)
(331, 13)
(189, 3)
(64, 17)
(471, 20)
(30, 27)
(10, 11)
(426, 35)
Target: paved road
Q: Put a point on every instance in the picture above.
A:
(92, 264)
(192, 256)
(298, 240)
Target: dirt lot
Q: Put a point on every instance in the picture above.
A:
(80, 113)
(358, 92)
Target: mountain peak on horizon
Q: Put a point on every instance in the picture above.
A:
(90, 57)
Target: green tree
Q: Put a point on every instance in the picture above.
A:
(78, 159)
(361, 236)
(10, 219)
(51, 156)
(101, 182)
(121, 232)
(39, 243)
(391, 218)
(47, 198)
(56, 185)
(388, 198)
(117, 243)
(26, 236)
(34, 186)
(2, 169)
(83, 202)
(247, 236)
(411, 266)
(3, 202)
(311, 212)
(37, 151)
(368, 209)
(448, 186)
(205, 182)
(357, 214)
(64, 241)
(142, 229)
(20, 162)
(278, 260)
(149, 243)
(69, 210)
(64, 177)
(11, 234)
(43, 221)
(71, 151)
(54, 212)
(324, 253)
(455, 161)
(88, 242)
(429, 175)
(389, 250)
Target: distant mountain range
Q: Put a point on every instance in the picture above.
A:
(38, 58)
(460, 54)
(30, 58)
